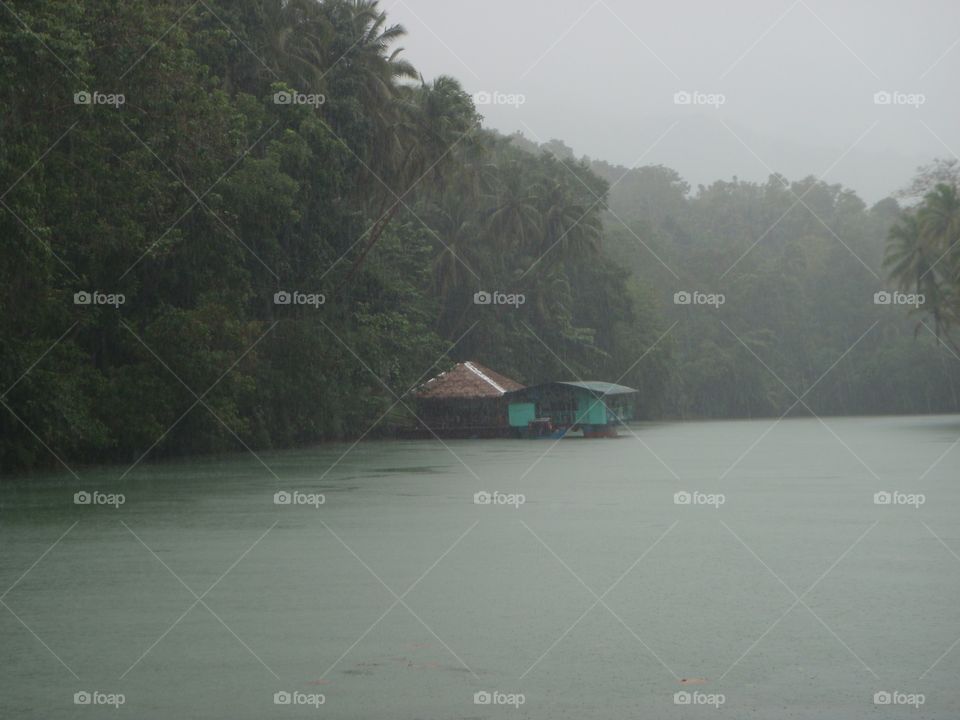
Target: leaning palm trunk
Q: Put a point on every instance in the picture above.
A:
(374, 236)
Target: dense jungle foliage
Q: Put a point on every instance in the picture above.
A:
(254, 224)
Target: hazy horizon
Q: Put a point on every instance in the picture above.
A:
(797, 78)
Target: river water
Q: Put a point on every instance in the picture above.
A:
(586, 588)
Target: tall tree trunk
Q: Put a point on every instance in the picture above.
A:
(375, 234)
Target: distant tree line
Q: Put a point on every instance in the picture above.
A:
(810, 276)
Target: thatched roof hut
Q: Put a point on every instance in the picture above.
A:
(467, 380)
(466, 401)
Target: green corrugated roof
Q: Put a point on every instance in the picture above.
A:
(599, 387)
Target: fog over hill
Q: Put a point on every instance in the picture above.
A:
(796, 81)
(703, 150)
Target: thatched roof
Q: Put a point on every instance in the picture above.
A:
(467, 380)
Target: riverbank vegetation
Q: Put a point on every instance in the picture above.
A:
(253, 224)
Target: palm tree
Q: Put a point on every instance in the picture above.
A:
(476, 174)
(362, 26)
(436, 119)
(907, 257)
(431, 122)
(459, 261)
(939, 220)
(296, 34)
(513, 221)
(570, 228)
(922, 256)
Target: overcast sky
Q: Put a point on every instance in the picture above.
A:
(792, 81)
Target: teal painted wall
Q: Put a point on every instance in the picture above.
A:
(521, 414)
(590, 409)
